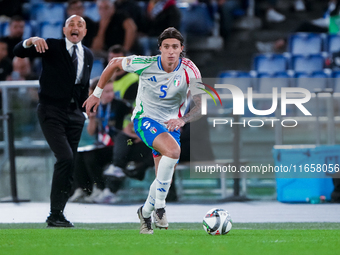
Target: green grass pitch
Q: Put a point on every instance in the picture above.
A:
(180, 238)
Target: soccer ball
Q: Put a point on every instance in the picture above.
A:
(217, 222)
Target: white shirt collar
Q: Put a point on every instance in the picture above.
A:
(70, 44)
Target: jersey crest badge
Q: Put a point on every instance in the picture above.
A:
(177, 80)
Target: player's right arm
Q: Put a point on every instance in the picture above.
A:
(94, 100)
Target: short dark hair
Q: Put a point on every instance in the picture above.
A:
(16, 18)
(171, 32)
(71, 2)
(117, 48)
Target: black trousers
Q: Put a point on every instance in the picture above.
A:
(126, 150)
(89, 167)
(62, 129)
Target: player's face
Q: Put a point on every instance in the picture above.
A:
(170, 50)
(108, 94)
(75, 29)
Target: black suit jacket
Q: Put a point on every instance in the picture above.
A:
(57, 79)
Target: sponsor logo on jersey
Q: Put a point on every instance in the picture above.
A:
(177, 80)
(153, 130)
(153, 78)
(146, 124)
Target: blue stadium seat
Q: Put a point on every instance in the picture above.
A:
(241, 79)
(270, 63)
(191, 25)
(51, 30)
(52, 12)
(336, 81)
(91, 11)
(333, 43)
(312, 80)
(28, 32)
(97, 68)
(266, 81)
(306, 43)
(308, 63)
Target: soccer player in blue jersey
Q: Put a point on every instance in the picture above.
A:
(164, 83)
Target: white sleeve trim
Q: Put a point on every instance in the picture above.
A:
(124, 64)
(25, 46)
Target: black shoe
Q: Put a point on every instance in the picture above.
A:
(59, 221)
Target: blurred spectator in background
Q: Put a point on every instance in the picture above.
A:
(225, 10)
(5, 67)
(131, 158)
(105, 124)
(321, 25)
(324, 21)
(76, 7)
(161, 14)
(23, 101)
(272, 15)
(22, 70)
(132, 8)
(16, 31)
(125, 84)
(84, 179)
(5, 63)
(115, 27)
(299, 6)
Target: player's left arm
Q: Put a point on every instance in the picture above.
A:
(192, 115)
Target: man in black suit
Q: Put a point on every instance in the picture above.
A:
(64, 83)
